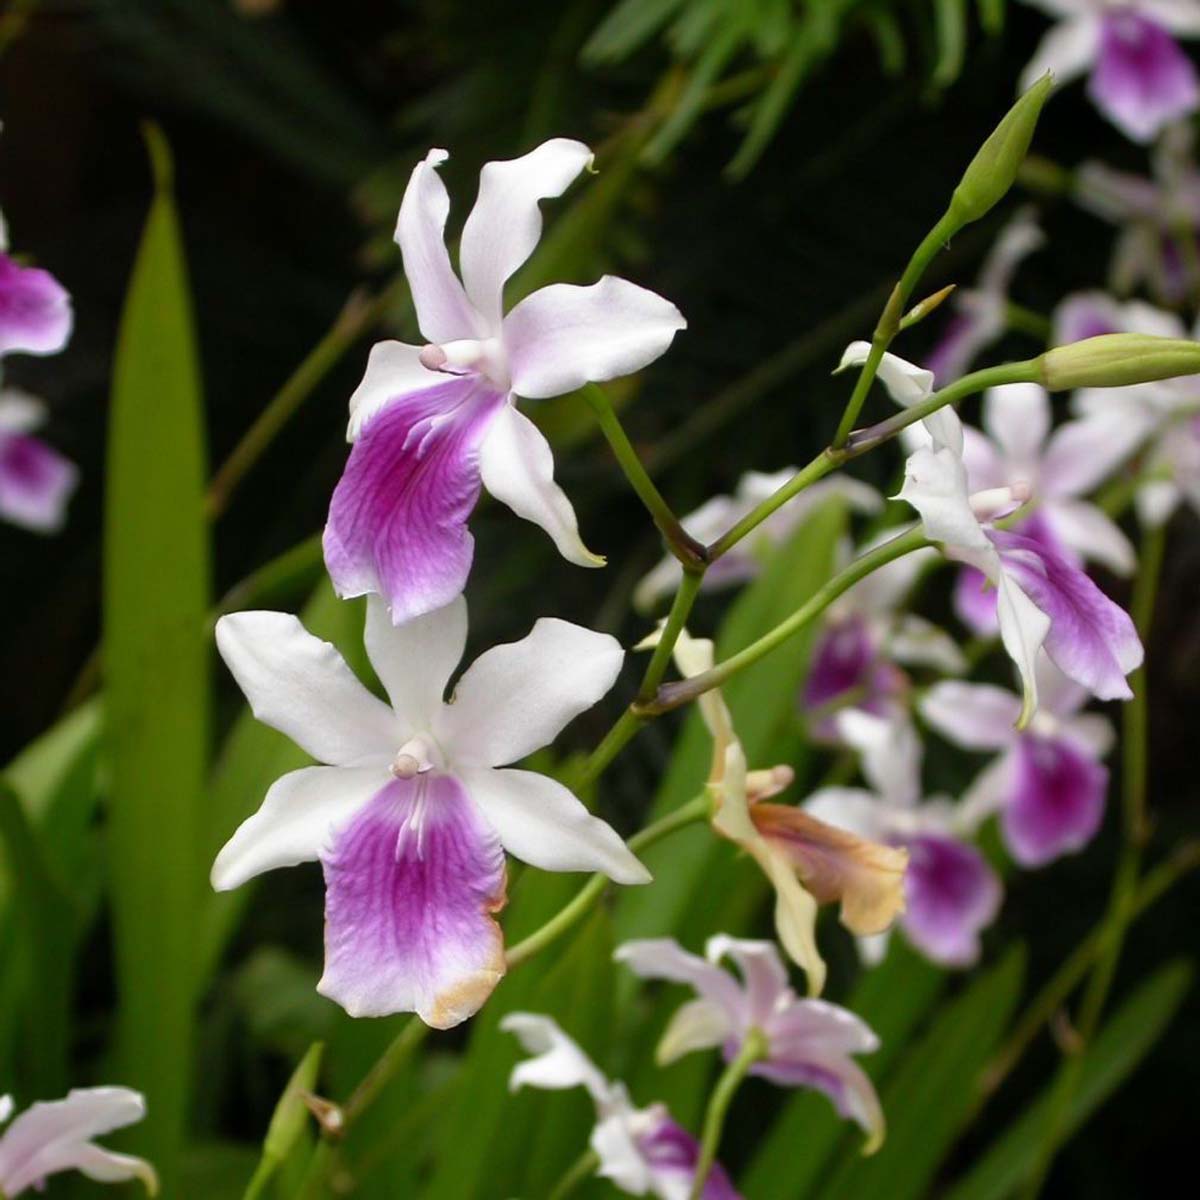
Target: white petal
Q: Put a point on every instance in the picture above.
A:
(985, 796)
(764, 976)
(890, 753)
(1156, 501)
(916, 642)
(542, 823)
(515, 698)
(665, 958)
(6, 1102)
(976, 716)
(106, 1166)
(297, 821)
(414, 661)
(618, 1154)
(517, 467)
(907, 384)
(1017, 415)
(558, 1061)
(20, 412)
(506, 223)
(855, 810)
(443, 311)
(1091, 731)
(935, 484)
(393, 369)
(564, 336)
(1023, 629)
(697, 1025)
(1068, 49)
(1091, 533)
(301, 686)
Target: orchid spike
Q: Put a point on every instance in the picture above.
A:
(432, 424)
(412, 815)
(810, 1043)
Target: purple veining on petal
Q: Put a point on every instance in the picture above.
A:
(411, 884)
(670, 1150)
(35, 310)
(808, 1075)
(35, 483)
(1057, 799)
(1091, 639)
(398, 518)
(953, 894)
(1142, 80)
(847, 665)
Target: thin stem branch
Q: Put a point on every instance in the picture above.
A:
(681, 608)
(753, 1050)
(582, 1169)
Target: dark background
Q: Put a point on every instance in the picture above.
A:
(293, 134)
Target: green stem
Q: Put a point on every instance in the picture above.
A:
(1122, 901)
(582, 1169)
(685, 547)
(754, 1049)
(681, 608)
(889, 321)
(384, 1070)
(673, 695)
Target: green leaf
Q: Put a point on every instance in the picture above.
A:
(627, 27)
(156, 654)
(1122, 1044)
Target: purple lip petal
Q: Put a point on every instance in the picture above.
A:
(411, 884)
(35, 310)
(398, 519)
(35, 483)
(952, 896)
(975, 602)
(671, 1152)
(1091, 639)
(1142, 80)
(1057, 802)
(846, 665)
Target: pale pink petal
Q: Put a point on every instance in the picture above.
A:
(985, 466)
(411, 884)
(1082, 454)
(976, 716)
(764, 977)
(564, 336)
(506, 223)
(664, 958)
(1090, 314)
(1090, 533)
(35, 310)
(516, 698)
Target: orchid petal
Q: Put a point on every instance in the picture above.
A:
(557, 1063)
(618, 1154)
(36, 482)
(986, 468)
(35, 310)
(541, 822)
(764, 976)
(935, 484)
(917, 642)
(515, 698)
(297, 822)
(394, 370)
(976, 716)
(697, 1025)
(1081, 454)
(1067, 50)
(673, 1155)
(1017, 415)
(505, 225)
(564, 336)
(1024, 628)
(664, 958)
(1091, 533)
(301, 686)
(1092, 314)
(890, 753)
(845, 1083)
(517, 467)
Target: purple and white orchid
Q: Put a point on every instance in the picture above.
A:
(981, 313)
(1140, 77)
(809, 1043)
(50, 1137)
(36, 481)
(643, 1151)
(432, 424)
(1049, 782)
(951, 892)
(745, 561)
(412, 815)
(35, 309)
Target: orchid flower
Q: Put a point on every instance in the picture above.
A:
(951, 892)
(411, 818)
(745, 560)
(35, 480)
(810, 1043)
(806, 861)
(1043, 598)
(1049, 781)
(35, 309)
(643, 1151)
(981, 317)
(856, 660)
(431, 424)
(51, 1137)
(1140, 78)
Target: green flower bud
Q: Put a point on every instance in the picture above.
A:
(994, 169)
(1116, 360)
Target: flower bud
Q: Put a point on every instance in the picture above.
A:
(994, 169)
(1116, 360)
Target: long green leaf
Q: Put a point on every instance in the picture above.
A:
(156, 584)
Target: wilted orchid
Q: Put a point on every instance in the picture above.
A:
(431, 424)
(35, 480)
(1043, 598)
(806, 861)
(1140, 78)
(50, 1137)
(1049, 782)
(808, 1043)
(981, 313)
(951, 892)
(643, 1151)
(745, 560)
(412, 816)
